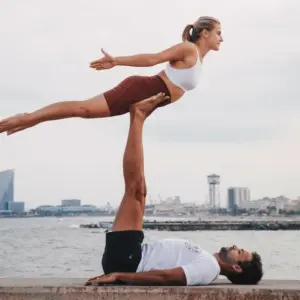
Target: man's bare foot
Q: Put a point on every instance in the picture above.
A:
(145, 107)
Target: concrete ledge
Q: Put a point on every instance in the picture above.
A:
(71, 289)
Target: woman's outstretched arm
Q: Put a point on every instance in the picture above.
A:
(178, 52)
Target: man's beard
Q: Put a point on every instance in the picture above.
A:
(224, 254)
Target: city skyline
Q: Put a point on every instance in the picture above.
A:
(242, 122)
(239, 196)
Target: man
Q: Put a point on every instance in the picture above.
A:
(169, 261)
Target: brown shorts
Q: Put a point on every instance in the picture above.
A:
(134, 89)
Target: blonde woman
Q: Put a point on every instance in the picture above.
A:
(180, 75)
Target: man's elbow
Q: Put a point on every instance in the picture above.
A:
(176, 278)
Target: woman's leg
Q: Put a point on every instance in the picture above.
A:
(111, 103)
(95, 107)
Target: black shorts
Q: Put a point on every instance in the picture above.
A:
(123, 251)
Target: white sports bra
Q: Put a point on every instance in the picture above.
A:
(187, 79)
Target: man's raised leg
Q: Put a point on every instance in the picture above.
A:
(131, 210)
(123, 245)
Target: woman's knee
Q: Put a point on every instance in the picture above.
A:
(95, 107)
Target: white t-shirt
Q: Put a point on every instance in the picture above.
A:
(200, 267)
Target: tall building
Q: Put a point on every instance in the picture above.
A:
(214, 190)
(237, 196)
(6, 189)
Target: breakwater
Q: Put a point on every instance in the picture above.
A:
(73, 289)
(209, 225)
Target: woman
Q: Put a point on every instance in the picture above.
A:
(181, 74)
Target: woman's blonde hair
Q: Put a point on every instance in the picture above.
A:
(191, 32)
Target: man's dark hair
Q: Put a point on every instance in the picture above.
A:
(252, 271)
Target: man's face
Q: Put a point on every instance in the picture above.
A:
(234, 254)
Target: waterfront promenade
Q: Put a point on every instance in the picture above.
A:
(71, 289)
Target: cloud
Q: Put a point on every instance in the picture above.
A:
(241, 122)
(179, 132)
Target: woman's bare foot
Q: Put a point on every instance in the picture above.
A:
(147, 106)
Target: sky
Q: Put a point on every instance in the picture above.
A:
(242, 122)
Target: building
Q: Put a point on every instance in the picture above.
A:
(279, 203)
(6, 189)
(294, 205)
(16, 207)
(65, 210)
(214, 190)
(171, 201)
(71, 202)
(237, 197)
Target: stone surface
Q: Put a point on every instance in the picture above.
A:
(74, 289)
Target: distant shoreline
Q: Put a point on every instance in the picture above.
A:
(62, 216)
(210, 225)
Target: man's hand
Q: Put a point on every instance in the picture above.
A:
(154, 277)
(106, 62)
(103, 279)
